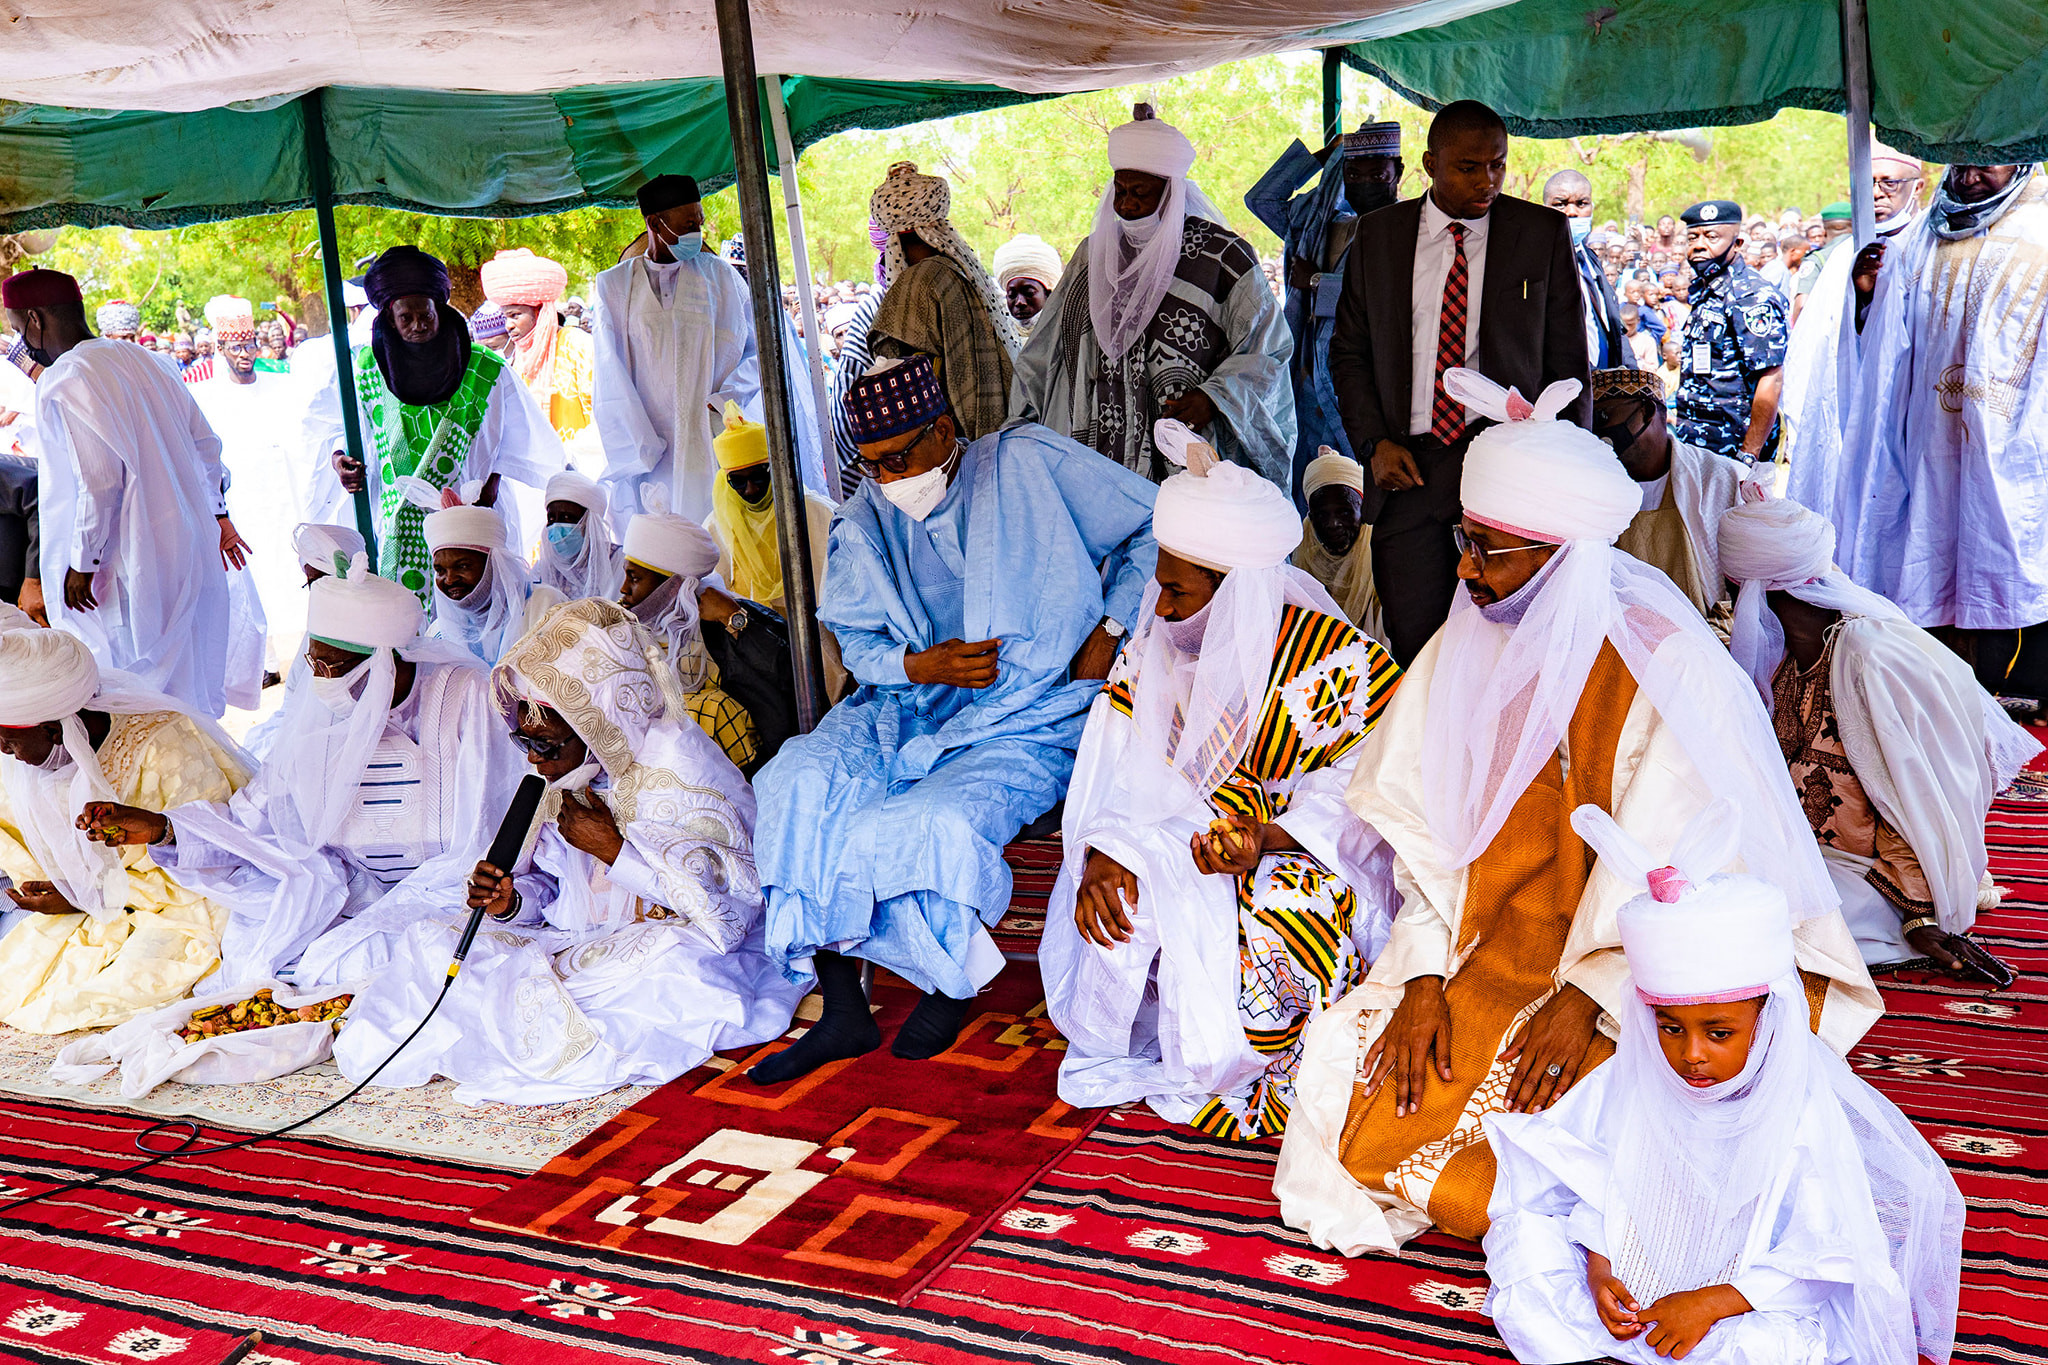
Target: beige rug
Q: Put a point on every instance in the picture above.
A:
(423, 1122)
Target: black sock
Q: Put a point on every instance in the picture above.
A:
(844, 1029)
(931, 1027)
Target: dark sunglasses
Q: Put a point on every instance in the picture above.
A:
(899, 461)
(546, 750)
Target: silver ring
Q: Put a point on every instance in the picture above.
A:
(1553, 1070)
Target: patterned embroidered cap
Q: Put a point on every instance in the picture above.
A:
(1381, 138)
(893, 398)
(1627, 383)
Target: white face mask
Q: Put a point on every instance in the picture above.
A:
(578, 778)
(916, 496)
(1138, 231)
(55, 761)
(338, 695)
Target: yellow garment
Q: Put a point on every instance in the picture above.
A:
(556, 363)
(750, 560)
(1347, 577)
(742, 444)
(726, 721)
(65, 972)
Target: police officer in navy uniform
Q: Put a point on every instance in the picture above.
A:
(1732, 354)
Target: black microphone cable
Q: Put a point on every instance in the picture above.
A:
(511, 834)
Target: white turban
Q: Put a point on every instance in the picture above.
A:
(317, 545)
(1696, 935)
(14, 618)
(1332, 468)
(1534, 476)
(1152, 146)
(1219, 515)
(569, 486)
(362, 611)
(45, 675)
(670, 544)
(1027, 257)
(1778, 543)
(464, 528)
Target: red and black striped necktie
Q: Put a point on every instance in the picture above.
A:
(1447, 414)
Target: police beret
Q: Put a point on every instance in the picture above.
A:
(1715, 212)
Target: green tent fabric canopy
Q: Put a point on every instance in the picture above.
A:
(1951, 80)
(472, 153)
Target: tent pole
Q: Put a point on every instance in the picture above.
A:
(314, 120)
(1333, 94)
(757, 221)
(1856, 90)
(806, 292)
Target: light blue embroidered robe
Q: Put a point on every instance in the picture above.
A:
(881, 832)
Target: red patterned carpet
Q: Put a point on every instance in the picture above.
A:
(1144, 1243)
(865, 1177)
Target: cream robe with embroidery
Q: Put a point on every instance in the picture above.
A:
(65, 972)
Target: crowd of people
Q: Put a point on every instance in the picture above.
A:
(1467, 766)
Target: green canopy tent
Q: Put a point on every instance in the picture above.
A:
(1949, 80)
(464, 152)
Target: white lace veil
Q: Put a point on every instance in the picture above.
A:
(1130, 265)
(1793, 549)
(1503, 695)
(1698, 1174)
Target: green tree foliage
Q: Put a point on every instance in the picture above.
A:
(1036, 167)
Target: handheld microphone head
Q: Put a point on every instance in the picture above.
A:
(504, 852)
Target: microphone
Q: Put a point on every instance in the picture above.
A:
(504, 852)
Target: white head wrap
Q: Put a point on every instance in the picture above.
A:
(1776, 545)
(1025, 257)
(596, 570)
(50, 675)
(907, 201)
(684, 551)
(670, 787)
(1219, 515)
(1697, 1170)
(1330, 467)
(494, 614)
(362, 611)
(1205, 678)
(318, 545)
(1505, 689)
(1536, 477)
(1130, 265)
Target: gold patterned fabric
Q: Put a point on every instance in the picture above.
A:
(65, 972)
(594, 664)
(1521, 895)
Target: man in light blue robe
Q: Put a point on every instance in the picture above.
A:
(979, 594)
(1316, 227)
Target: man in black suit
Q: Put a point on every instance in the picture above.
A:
(1571, 194)
(1461, 276)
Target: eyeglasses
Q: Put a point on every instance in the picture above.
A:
(1892, 186)
(1480, 554)
(898, 461)
(333, 668)
(544, 749)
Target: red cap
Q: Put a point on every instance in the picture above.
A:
(39, 289)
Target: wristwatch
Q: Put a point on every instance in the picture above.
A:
(1113, 628)
(737, 622)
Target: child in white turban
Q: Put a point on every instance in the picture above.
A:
(1725, 1190)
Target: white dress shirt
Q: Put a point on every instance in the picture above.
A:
(1433, 251)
